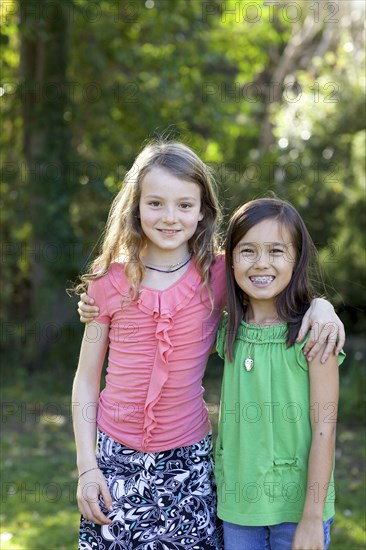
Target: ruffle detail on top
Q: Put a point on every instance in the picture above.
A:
(267, 334)
(162, 305)
(159, 374)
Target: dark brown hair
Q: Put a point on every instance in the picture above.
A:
(295, 299)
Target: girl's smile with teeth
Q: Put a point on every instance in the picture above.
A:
(262, 280)
(264, 261)
(170, 210)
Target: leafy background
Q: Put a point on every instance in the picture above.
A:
(269, 93)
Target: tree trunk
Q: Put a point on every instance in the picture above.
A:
(46, 147)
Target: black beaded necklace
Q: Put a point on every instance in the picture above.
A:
(185, 262)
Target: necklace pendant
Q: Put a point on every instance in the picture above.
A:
(248, 364)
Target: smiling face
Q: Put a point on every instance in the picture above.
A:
(264, 261)
(170, 209)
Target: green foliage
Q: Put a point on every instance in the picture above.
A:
(229, 79)
(205, 73)
(332, 187)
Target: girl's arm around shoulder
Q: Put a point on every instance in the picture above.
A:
(324, 390)
(93, 304)
(326, 327)
(86, 309)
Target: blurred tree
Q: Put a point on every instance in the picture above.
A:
(43, 181)
(320, 145)
(268, 93)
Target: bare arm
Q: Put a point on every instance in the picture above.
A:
(324, 389)
(326, 328)
(85, 400)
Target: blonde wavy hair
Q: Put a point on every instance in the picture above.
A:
(123, 238)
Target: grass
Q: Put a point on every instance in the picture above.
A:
(38, 505)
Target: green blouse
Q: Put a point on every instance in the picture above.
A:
(265, 433)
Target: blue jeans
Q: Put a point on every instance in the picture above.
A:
(273, 537)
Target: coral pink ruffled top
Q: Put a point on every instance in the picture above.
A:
(158, 350)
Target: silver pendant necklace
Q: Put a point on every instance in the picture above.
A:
(249, 360)
(248, 363)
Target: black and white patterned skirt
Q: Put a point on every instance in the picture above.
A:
(161, 501)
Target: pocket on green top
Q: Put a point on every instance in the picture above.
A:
(285, 462)
(283, 480)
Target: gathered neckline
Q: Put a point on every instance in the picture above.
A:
(260, 334)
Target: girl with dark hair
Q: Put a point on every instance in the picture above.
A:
(275, 448)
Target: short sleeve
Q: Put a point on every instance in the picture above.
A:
(218, 281)
(301, 358)
(96, 291)
(221, 336)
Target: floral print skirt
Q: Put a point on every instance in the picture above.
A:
(161, 501)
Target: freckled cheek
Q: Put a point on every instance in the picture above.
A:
(147, 218)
